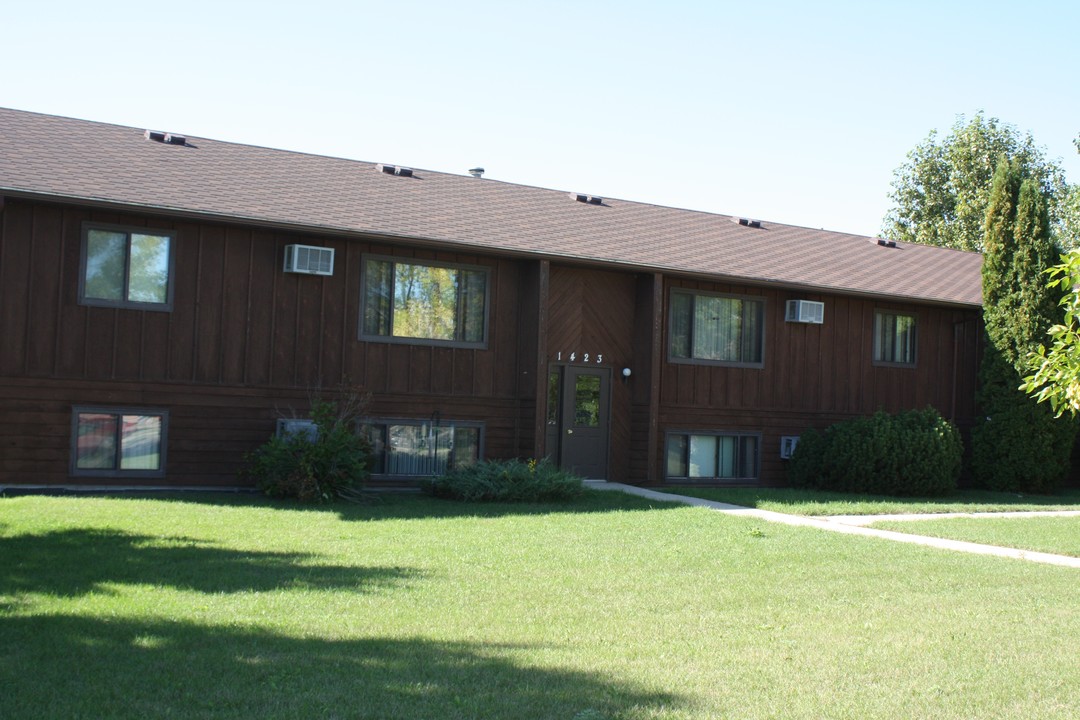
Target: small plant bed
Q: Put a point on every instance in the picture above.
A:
(506, 481)
(1057, 535)
(817, 502)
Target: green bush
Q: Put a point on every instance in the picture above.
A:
(506, 481)
(335, 464)
(913, 453)
(1017, 445)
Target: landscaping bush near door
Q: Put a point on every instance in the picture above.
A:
(916, 452)
(506, 481)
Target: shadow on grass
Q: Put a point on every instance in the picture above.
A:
(63, 666)
(79, 561)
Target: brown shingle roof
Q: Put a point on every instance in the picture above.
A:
(88, 161)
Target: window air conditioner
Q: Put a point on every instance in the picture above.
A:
(309, 259)
(787, 446)
(805, 311)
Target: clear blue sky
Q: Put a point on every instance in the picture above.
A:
(793, 112)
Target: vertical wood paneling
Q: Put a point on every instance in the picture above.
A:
(260, 330)
(46, 268)
(234, 305)
(70, 321)
(14, 270)
(208, 305)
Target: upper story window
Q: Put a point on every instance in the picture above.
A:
(717, 328)
(126, 267)
(894, 338)
(424, 302)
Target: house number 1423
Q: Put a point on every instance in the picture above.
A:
(585, 357)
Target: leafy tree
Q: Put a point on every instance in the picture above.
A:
(940, 195)
(1056, 370)
(1018, 444)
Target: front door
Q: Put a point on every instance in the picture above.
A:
(578, 424)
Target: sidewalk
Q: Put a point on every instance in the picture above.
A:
(853, 525)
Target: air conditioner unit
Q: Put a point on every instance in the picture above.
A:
(309, 260)
(293, 426)
(805, 311)
(787, 446)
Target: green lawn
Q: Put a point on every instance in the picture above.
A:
(812, 502)
(611, 607)
(1058, 535)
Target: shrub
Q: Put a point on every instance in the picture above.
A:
(913, 453)
(506, 481)
(335, 464)
(1017, 444)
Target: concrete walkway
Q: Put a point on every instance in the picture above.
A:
(853, 525)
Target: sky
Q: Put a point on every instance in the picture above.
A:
(788, 112)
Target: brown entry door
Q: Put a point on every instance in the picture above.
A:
(585, 408)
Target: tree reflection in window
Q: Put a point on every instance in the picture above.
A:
(126, 268)
(431, 302)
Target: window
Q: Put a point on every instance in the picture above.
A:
(894, 338)
(712, 456)
(717, 328)
(116, 443)
(126, 268)
(421, 447)
(423, 302)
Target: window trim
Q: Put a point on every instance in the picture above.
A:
(672, 358)
(75, 471)
(875, 349)
(737, 434)
(396, 259)
(480, 425)
(128, 230)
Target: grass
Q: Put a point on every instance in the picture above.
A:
(1058, 535)
(609, 607)
(813, 502)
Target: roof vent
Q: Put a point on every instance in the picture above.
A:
(883, 242)
(164, 137)
(476, 172)
(746, 221)
(394, 170)
(588, 199)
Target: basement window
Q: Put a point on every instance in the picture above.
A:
(421, 448)
(711, 457)
(429, 303)
(126, 267)
(112, 442)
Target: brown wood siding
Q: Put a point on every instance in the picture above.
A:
(815, 375)
(245, 342)
(244, 339)
(593, 311)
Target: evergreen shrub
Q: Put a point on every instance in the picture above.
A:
(916, 452)
(333, 465)
(506, 481)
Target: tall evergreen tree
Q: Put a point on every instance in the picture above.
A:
(1018, 444)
